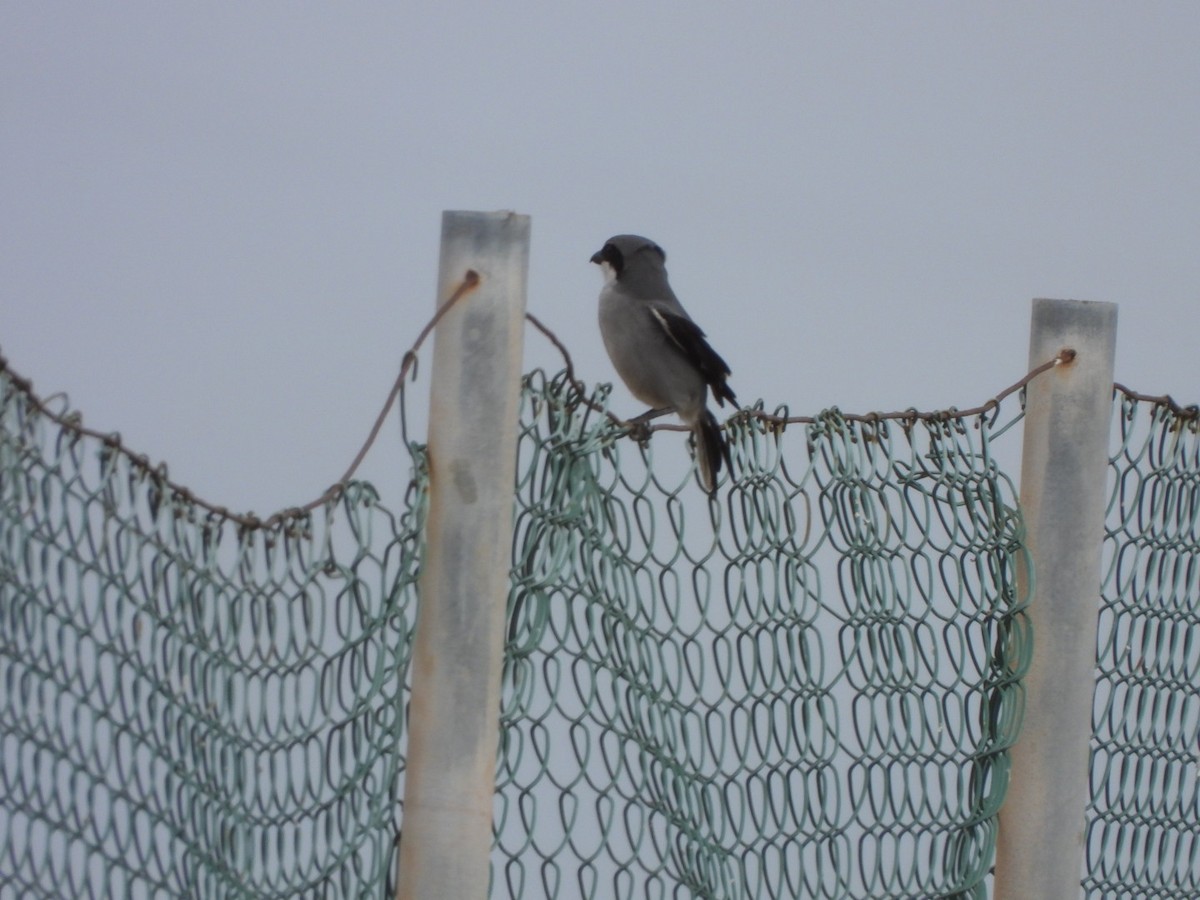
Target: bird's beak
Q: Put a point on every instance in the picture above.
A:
(596, 258)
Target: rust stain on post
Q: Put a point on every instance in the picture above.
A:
(469, 283)
(1066, 356)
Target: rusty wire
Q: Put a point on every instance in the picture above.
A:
(112, 440)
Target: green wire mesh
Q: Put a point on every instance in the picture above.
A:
(1143, 836)
(189, 710)
(806, 689)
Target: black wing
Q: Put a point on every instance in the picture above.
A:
(687, 336)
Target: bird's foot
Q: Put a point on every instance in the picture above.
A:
(639, 431)
(639, 426)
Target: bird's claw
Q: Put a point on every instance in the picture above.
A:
(640, 431)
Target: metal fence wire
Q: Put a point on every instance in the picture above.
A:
(806, 689)
(1143, 836)
(191, 707)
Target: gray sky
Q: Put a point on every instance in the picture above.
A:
(219, 221)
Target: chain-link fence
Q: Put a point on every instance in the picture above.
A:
(805, 689)
(1144, 817)
(191, 707)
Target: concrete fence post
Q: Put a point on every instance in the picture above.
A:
(1063, 493)
(453, 723)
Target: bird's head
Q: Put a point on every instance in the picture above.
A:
(628, 252)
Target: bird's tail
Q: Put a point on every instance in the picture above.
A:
(711, 448)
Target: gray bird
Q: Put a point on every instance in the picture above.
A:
(656, 348)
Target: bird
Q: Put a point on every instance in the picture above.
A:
(663, 357)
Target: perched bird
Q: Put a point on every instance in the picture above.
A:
(656, 348)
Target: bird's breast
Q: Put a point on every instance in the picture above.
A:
(651, 366)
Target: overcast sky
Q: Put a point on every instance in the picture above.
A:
(219, 221)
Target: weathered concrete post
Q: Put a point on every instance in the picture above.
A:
(453, 723)
(1063, 493)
